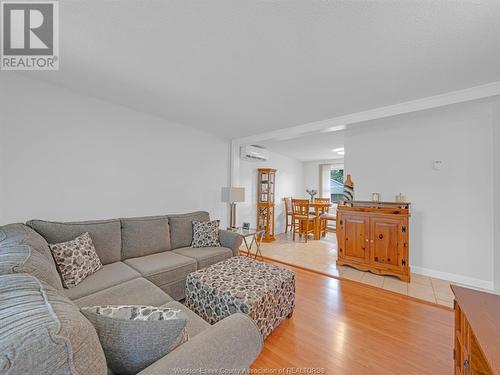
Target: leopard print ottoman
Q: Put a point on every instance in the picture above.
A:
(263, 291)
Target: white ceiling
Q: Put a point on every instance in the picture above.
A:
(309, 147)
(236, 68)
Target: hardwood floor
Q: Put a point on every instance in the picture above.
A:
(321, 256)
(348, 328)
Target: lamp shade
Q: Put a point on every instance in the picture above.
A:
(233, 194)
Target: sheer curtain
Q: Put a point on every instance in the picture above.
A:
(324, 180)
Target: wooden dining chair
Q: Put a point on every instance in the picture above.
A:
(322, 213)
(322, 200)
(303, 221)
(288, 213)
(328, 217)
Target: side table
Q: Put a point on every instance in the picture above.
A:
(256, 236)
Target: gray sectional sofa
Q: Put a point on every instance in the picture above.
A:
(145, 262)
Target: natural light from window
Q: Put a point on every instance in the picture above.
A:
(336, 183)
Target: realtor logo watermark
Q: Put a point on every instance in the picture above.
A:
(30, 35)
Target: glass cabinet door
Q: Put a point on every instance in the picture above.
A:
(264, 181)
(271, 187)
(262, 218)
(264, 187)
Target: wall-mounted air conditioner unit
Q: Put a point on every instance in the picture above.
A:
(254, 153)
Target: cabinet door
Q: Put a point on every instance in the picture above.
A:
(386, 242)
(355, 234)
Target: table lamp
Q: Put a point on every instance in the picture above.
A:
(232, 195)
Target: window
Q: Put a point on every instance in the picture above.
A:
(336, 183)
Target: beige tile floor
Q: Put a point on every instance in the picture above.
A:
(321, 256)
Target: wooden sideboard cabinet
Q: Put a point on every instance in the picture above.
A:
(477, 332)
(374, 236)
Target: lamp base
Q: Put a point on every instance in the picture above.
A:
(232, 220)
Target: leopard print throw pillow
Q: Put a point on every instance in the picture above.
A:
(76, 259)
(206, 234)
(133, 312)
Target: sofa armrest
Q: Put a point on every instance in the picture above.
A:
(230, 240)
(231, 344)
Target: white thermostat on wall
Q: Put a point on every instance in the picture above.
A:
(437, 165)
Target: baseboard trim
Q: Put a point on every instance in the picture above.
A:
(464, 280)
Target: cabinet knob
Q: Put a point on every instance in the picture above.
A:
(371, 241)
(366, 240)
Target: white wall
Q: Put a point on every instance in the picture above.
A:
(289, 182)
(452, 215)
(496, 190)
(64, 156)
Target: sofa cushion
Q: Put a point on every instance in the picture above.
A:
(106, 235)
(42, 332)
(22, 250)
(144, 236)
(163, 268)
(195, 324)
(181, 227)
(20, 234)
(228, 347)
(109, 275)
(23, 259)
(76, 259)
(205, 256)
(134, 337)
(133, 292)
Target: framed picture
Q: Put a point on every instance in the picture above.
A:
(246, 226)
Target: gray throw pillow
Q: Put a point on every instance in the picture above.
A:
(76, 259)
(205, 234)
(134, 337)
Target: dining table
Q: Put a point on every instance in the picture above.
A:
(319, 208)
